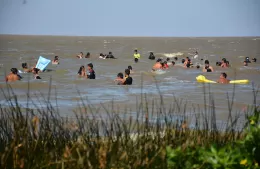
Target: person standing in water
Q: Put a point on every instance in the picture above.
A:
(151, 56)
(25, 68)
(223, 79)
(35, 73)
(91, 73)
(127, 80)
(119, 79)
(157, 65)
(207, 67)
(13, 76)
(82, 71)
(87, 55)
(137, 56)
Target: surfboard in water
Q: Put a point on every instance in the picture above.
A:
(42, 63)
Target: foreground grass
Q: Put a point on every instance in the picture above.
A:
(42, 138)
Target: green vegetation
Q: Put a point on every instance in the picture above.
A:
(42, 138)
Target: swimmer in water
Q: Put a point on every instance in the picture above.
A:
(110, 56)
(157, 65)
(119, 79)
(187, 63)
(131, 69)
(254, 60)
(223, 79)
(151, 56)
(87, 55)
(102, 56)
(165, 65)
(207, 67)
(91, 73)
(173, 63)
(245, 63)
(55, 60)
(13, 76)
(25, 68)
(137, 56)
(80, 55)
(82, 71)
(127, 80)
(224, 63)
(35, 73)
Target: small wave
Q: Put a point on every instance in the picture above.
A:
(171, 55)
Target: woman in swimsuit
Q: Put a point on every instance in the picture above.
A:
(207, 67)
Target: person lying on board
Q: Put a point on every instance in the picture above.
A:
(55, 60)
(80, 55)
(207, 67)
(13, 76)
(223, 79)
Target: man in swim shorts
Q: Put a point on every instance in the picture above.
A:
(223, 78)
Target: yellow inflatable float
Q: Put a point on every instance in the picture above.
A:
(202, 79)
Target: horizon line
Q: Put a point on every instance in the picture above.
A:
(258, 36)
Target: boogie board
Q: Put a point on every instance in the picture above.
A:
(202, 79)
(42, 63)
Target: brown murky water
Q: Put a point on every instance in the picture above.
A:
(14, 50)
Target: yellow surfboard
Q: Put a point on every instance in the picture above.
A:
(202, 79)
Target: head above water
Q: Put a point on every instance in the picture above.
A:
(127, 72)
(151, 53)
(81, 69)
(35, 70)
(81, 53)
(223, 75)
(173, 63)
(56, 57)
(130, 67)
(24, 65)
(120, 75)
(158, 60)
(206, 62)
(254, 59)
(110, 53)
(175, 58)
(198, 66)
(14, 71)
(135, 51)
(167, 59)
(90, 65)
(183, 60)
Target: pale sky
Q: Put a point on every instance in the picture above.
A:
(131, 17)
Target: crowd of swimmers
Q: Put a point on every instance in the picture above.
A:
(126, 79)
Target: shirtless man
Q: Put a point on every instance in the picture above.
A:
(13, 76)
(157, 65)
(223, 78)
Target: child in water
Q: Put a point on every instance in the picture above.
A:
(91, 73)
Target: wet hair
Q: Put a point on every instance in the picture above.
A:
(135, 50)
(201, 59)
(36, 70)
(173, 63)
(80, 69)
(151, 53)
(224, 74)
(120, 75)
(254, 59)
(198, 66)
(176, 58)
(224, 59)
(88, 54)
(101, 54)
(90, 65)
(158, 60)
(130, 67)
(110, 53)
(81, 53)
(206, 62)
(127, 71)
(167, 59)
(188, 65)
(183, 60)
(218, 63)
(24, 65)
(165, 62)
(14, 70)
(162, 63)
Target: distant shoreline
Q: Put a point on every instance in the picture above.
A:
(133, 36)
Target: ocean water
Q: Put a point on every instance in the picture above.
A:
(67, 88)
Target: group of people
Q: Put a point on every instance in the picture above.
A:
(126, 79)
(14, 73)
